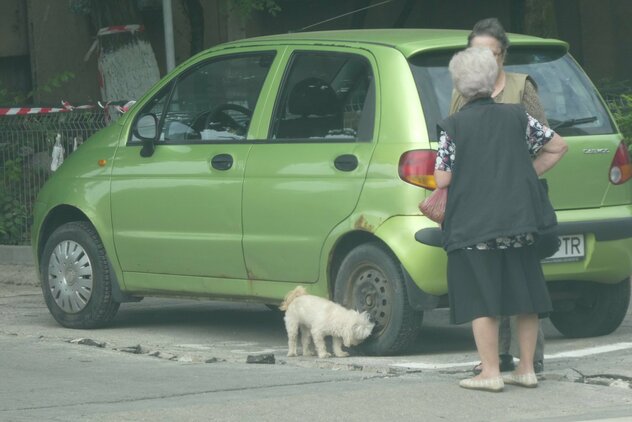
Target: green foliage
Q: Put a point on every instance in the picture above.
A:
(246, 7)
(622, 112)
(16, 98)
(80, 7)
(618, 96)
(13, 213)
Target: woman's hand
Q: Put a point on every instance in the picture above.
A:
(442, 178)
(549, 155)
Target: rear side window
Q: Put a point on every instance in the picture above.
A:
(325, 96)
(570, 101)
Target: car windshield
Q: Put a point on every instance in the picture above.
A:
(570, 101)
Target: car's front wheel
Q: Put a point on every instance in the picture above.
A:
(76, 277)
(371, 279)
(597, 309)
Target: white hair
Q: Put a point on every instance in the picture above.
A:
(474, 72)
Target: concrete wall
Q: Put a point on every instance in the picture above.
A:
(13, 29)
(606, 30)
(59, 39)
(598, 31)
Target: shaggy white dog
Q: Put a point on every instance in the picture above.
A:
(317, 318)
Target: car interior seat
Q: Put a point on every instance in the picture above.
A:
(318, 109)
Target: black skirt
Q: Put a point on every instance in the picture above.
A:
(494, 283)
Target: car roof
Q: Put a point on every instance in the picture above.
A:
(408, 41)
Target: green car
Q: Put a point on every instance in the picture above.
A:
(300, 159)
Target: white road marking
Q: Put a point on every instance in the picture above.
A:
(571, 354)
(420, 365)
(622, 419)
(590, 351)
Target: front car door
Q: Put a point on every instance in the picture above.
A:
(178, 211)
(306, 177)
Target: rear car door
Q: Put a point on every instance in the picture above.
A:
(307, 175)
(178, 211)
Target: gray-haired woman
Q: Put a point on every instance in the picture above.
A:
(492, 215)
(509, 88)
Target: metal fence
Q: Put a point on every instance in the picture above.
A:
(26, 145)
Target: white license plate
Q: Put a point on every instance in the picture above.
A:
(572, 248)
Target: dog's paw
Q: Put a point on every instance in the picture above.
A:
(291, 354)
(342, 354)
(324, 355)
(309, 353)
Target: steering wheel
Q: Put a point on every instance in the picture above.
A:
(218, 119)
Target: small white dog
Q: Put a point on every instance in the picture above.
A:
(317, 318)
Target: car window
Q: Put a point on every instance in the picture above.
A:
(325, 96)
(213, 101)
(570, 102)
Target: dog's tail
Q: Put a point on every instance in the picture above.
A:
(291, 295)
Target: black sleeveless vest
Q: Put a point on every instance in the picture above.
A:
(494, 190)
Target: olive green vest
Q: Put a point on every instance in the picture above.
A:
(511, 94)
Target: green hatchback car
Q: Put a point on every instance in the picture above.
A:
(270, 162)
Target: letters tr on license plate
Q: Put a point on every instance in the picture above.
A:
(572, 248)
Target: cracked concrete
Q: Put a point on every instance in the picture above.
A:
(204, 331)
(166, 359)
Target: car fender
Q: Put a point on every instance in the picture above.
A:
(424, 265)
(82, 184)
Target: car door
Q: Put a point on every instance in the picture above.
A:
(306, 177)
(178, 210)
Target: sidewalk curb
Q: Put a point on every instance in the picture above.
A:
(16, 255)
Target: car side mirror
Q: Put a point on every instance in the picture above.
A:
(146, 129)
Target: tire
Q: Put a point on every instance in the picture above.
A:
(77, 278)
(371, 279)
(599, 310)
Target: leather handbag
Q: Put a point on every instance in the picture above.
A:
(433, 206)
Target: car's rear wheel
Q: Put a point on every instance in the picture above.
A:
(371, 279)
(76, 277)
(595, 310)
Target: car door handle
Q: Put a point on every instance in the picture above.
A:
(222, 162)
(346, 162)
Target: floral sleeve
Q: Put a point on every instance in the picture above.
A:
(445, 153)
(537, 135)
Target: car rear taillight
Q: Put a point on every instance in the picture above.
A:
(417, 167)
(621, 168)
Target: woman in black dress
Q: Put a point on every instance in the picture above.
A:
(493, 213)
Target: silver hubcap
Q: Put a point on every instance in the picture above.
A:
(372, 292)
(70, 276)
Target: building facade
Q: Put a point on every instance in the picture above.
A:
(41, 40)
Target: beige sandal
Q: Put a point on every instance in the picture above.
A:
(523, 380)
(493, 385)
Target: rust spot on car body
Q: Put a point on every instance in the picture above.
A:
(362, 224)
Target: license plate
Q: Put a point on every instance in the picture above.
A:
(572, 248)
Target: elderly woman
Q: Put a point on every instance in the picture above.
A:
(509, 88)
(493, 213)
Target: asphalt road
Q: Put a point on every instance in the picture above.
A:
(166, 359)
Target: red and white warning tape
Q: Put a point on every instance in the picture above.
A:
(120, 28)
(70, 107)
(120, 106)
(16, 111)
(109, 30)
